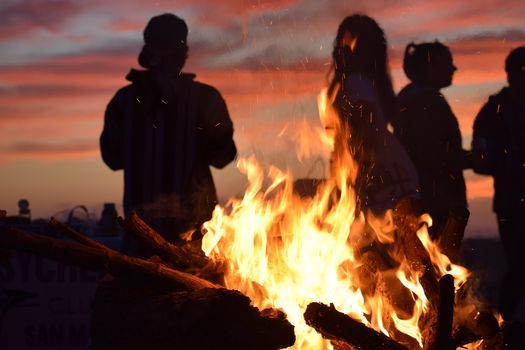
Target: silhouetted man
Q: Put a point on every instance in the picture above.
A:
(499, 150)
(165, 130)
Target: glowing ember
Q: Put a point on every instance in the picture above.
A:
(284, 251)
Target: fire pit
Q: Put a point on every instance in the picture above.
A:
(173, 301)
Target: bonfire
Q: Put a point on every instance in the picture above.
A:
(287, 251)
(277, 268)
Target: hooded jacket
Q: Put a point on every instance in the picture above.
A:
(165, 141)
(429, 130)
(499, 150)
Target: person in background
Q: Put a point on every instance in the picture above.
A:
(381, 173)
(364, 99)
(498, 147)
(429, 130)
(165, 130)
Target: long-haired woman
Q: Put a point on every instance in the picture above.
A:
(361, 90)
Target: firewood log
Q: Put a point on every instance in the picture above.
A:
(75, 235)
(407, 223)
(406, 218)
(337, 326)
(108, 260)
(452, 234)
(372, 264)
(307, 187)
(127, 316)
(443, 340)
(473, 326)
(473, 318)
(188, 257)
(178, 256)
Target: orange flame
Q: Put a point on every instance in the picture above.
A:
(284, 251)
(440, 261)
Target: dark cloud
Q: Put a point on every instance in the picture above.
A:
(487, 42)
(105, 59)
(24, 16)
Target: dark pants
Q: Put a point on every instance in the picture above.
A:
(512, 234)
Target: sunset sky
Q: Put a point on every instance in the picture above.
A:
(61, 62)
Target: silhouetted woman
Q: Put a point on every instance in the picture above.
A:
(429, 130)
(361, 89)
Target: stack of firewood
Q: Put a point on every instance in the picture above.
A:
(453, 320)
(164, 302)
(176, 299)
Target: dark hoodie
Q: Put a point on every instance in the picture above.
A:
(430, 133)
(499, 150)
(165, 143)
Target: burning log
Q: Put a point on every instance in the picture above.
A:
(307, 187)
(339, 327)
(452, 234)
(106, 259)
(179, 256)
(407, 223)
(373, 263)
(445, 314)
(473, 319)
(475, 326)
(183, 257)
(127, 317)
(406, 218)
(377, 274)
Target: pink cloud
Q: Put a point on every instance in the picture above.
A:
(59, 94)
(264, 86)
(434, 19)
(126, 25)
(196, 12)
